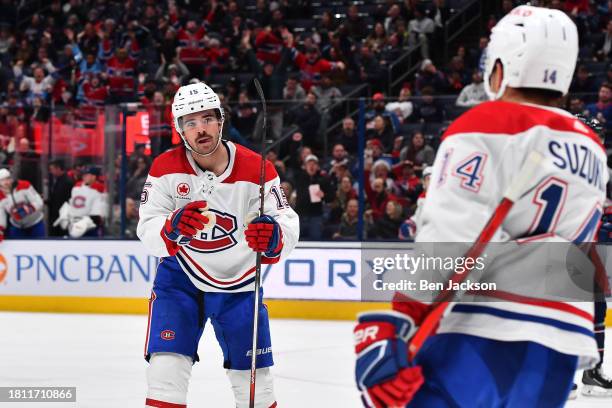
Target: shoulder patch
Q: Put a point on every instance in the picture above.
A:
(247, 165)
(98, 186)
(22, 185)
(170, 162)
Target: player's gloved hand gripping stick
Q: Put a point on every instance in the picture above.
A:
(387, 341)
(263, 234)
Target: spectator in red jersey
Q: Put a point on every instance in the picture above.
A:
(407, 184)
(121, 71)
(269, 44)
(94, 94)
(311, 66)
(216, 57)
(192, 52)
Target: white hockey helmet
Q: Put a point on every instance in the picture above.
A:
(537, 47)
(193, 98)
(4, 173)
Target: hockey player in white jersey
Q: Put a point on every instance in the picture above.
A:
(198, 214)
(83, 215)
(511, 351)
(24, 207)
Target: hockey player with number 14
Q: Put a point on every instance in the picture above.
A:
(198, 213)
(514, 350)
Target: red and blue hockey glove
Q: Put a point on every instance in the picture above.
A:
(384, 375)
(183, 224)
(22, 210)
(263, 234)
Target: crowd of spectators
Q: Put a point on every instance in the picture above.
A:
(72, 58)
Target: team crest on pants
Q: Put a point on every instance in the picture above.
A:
(219, 237)
(167, 335)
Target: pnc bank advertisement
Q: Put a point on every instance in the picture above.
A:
(124, 269)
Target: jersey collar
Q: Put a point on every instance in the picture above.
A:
(231, 148)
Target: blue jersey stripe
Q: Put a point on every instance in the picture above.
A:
(185, 267)
(521, 316)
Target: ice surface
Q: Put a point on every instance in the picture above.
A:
(102, 356)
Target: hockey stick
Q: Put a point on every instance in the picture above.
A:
(262, 180)
(440, 304)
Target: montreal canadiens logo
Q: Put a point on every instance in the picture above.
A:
(219, 237)
(78, 202)
(167, 335)
(183, 189)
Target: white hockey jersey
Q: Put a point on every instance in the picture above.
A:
(219, 259)
(87, 200)
(479, 155)
(22, 193)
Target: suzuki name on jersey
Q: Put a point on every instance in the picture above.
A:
(579, 160)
